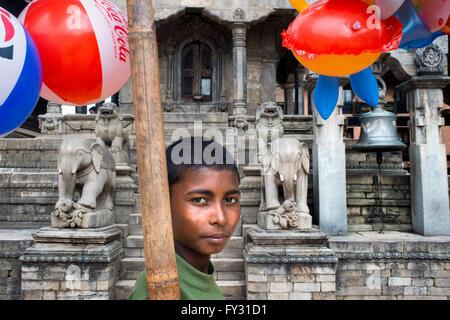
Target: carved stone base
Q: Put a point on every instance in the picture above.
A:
(289, 265)
(72, 264)
(266, 221)
(90, 220)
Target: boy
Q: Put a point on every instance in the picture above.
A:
(204, 200)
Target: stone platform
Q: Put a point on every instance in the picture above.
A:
(64, 264)
(289, 265)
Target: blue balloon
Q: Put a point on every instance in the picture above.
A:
(21, 79)
(413, 26)
(365, 86)
(423, 42)
(326, 95)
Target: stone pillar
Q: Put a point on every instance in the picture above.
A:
(429, 182)
(168, 101)
(126, 99)
(269, 79)
(72, 264)
(289, 95)
(239, 68)
(330, 197)
(299, 83)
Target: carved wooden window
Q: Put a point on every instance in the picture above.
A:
(197, 73)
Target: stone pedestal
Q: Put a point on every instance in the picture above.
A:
(429, 182)
(89, 220)
(330, 197)
(289, 265)
(51, 123)
(300, 81)
(266, 221)
(65, 264)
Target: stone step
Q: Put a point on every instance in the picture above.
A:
(123, 228)
(135, 224)
(226, 268)
(137, 203)
(229, 269)
(233, 249)
(134, 241)
(123, 288)
(190, 117)
(232, 290)
(131, 268)
(133, 252)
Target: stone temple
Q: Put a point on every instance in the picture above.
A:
(367, 229)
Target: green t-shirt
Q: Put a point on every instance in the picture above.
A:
(194, 284)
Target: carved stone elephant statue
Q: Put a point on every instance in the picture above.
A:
(286, 164)
(90, 165)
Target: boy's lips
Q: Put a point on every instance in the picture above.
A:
(218, 238)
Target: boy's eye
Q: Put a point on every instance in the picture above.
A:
(199, 200)
(231, 200)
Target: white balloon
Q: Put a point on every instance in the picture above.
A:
(388, 7)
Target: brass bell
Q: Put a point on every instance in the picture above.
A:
(379, 132)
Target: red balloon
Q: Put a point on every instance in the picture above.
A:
(83, 45)
(338, 27)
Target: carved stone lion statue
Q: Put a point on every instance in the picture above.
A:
(109, 129)
(269, 126)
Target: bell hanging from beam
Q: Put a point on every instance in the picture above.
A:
(379, 130)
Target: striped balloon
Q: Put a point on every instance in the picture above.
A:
(21, 73)
(83, 46)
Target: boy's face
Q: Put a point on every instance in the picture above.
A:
(205, 209)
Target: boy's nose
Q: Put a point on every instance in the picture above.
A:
(218, 215)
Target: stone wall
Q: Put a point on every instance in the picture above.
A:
(367, 204)
(377, 199)
(291, 282)
(392, 266)
(79, 281)
(361, 266)
(12, 245)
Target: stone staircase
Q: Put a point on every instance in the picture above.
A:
(229, 263)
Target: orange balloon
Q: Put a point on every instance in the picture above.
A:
(299, 5)
(333, 65)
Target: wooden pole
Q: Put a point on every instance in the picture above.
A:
(159, 252)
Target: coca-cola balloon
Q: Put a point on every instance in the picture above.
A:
(83, 46)
(20, 73)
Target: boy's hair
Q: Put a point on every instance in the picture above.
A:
(195, 153)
